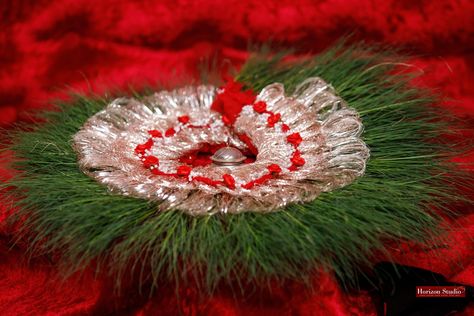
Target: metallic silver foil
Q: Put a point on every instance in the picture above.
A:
(332, 148)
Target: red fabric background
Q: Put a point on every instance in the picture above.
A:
(46, 46)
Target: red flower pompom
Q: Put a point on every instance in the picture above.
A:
(183, 119)
(273, 119)
(260, 107)
(274, 168)
(297, 160)
(170, 132)
(230, 102)
(294, 139)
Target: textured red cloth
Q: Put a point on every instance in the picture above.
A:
(47, 46)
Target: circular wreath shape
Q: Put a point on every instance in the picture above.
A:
(126, 146)
(303, 145)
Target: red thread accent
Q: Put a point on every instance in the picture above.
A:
(259, 181)
(248, 185)
(140, 149)
(157, 172)
(248, 142)
(183, 171)
(161, 173)
(285, 128)
(206, 180)
(292, 168)
(199, 126)
(263, 179)
(150, 161)
(274, 168)
(183, 119)
(229, 181)
(188, 159)
(170, 132)
(297, 160)
(249, 160)
(155, 133)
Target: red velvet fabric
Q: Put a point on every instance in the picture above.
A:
(47, 46)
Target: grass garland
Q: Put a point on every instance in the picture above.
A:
(67, 213)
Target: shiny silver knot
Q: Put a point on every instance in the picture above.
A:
(228, 156)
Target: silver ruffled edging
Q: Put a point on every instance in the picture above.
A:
(312, 146)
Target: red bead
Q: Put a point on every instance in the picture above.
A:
(294, 139)
(155, 133)
(260, 107)
(229, 181)
(170, 132)
(297, 160)
(274, 168)
(273, 119)
(183, 171)
(183, 119)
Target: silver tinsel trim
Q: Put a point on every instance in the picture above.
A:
(331, 147)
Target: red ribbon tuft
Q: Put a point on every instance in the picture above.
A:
(230, 102)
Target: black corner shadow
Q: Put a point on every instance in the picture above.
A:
(393, 289)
